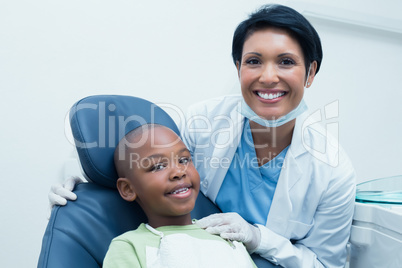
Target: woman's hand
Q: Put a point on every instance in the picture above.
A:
(60, 193)
(233, 227)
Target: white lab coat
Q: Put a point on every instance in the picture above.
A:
(309, 221)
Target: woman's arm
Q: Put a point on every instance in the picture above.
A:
(60, 193)
(325, 243)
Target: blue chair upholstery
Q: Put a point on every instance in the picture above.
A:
(78, 234)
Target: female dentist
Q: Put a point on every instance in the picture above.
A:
(285, 186)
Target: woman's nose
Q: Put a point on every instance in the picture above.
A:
(269, 74)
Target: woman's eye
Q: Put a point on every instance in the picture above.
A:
(287, 62)
(252, 61)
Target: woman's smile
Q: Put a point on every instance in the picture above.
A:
(270, 96)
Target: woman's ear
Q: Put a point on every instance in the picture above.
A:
(311, 74)
(238, 68)
(126, 190)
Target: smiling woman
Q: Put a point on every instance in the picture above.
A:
(301, 206)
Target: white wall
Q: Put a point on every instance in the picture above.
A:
(53, 53)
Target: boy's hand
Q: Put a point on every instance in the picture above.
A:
(59, 194)
(233, 227)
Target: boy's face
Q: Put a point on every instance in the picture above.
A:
(163, 177)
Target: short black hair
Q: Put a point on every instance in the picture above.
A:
(283, 17)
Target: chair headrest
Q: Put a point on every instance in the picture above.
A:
(99, 122)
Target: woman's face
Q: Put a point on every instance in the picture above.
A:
(272, 73)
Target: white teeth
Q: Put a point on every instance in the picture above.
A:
(270, 96)
(182, 190)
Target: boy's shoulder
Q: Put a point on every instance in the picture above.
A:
(133, 235)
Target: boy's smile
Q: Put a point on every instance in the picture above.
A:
(180, 191)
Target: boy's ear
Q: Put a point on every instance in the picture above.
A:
(126, 190)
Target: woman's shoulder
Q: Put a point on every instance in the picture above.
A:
(320, 141)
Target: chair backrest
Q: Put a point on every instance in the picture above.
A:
(78, 234)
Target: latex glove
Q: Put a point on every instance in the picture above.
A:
(60, 193)
(233, 227)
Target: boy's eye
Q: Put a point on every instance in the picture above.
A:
(185, 160)
(157, 167)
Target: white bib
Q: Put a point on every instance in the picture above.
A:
(184, 251)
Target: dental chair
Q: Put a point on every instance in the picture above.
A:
(79, 233)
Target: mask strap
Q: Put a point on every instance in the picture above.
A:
(308, 75)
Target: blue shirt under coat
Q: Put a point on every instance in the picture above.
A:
(248, 189)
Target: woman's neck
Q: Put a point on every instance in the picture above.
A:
(269, 142)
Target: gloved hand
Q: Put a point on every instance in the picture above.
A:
(233, 227)
(60, 193)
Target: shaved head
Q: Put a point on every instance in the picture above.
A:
(127, 145)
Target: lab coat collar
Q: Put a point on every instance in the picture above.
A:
(281, 206)
(300, 140)
(291, 173)
(224, 152)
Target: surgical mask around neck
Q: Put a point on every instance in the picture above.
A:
(247, 112)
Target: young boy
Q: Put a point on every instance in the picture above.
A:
(155, 169)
